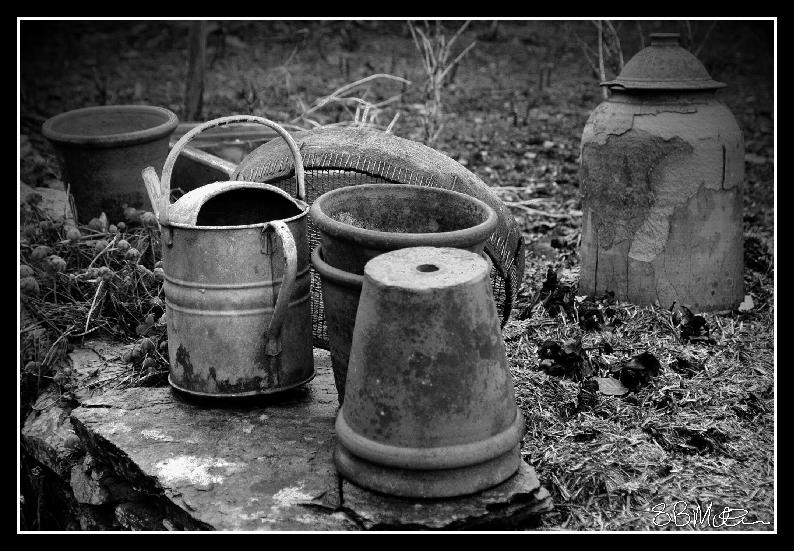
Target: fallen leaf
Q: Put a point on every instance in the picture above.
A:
(610, 386)
(564, 360)
(747, 304)
(639, 370)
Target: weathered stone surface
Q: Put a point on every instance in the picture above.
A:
(661, 184)
(265, 464)
(47, 433)
(95, 484)
(86, 489)
(54, 202)
(138, 516)
(504, 506)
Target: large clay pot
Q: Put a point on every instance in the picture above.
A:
(662, 170)
(429, 408)
(357, 223)
(335, 157)
(102, 151)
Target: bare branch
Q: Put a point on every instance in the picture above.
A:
(616, 38)
(705, 38)
(603, 74)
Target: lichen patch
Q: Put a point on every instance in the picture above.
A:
(200, 471)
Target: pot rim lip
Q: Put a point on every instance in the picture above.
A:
(259, 225)
(388, 240)
(333, 274)
(690, 85)
(165, 128)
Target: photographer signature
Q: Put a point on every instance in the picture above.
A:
(681, 514)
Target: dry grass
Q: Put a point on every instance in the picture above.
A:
(96, 286)
(700, 435)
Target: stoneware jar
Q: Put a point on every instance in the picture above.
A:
(662, 168)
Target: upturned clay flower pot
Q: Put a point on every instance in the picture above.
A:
(429, 407)
(102, 151)
(357, 223)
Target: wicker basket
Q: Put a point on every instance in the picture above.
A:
(339, 157)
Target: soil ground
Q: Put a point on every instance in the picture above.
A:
(702, 432)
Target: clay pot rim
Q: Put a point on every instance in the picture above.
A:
(335, 275)
(165, 128)
(442, 457)
(389, 240)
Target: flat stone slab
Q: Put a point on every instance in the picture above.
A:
(266, 464)
(47, 433)
(505, 506)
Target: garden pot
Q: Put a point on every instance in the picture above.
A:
(102, 150)
(429, 408)
(357, 223)
(236, 263)
(335, 157)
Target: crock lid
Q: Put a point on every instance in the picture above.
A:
(664, 65)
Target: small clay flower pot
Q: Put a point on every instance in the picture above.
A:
(429, 407)
(102, 151)
(357, 223)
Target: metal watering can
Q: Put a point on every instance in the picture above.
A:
(239, 317)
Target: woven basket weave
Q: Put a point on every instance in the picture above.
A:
(339, 157)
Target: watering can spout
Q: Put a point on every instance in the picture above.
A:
(152, 183)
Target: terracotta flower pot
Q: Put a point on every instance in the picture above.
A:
(102, 151)
(429, 407)
(357, 223)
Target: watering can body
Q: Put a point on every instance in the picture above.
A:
(236, 263)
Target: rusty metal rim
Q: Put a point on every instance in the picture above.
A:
(390, 240)
(300, 204)
(442, 457)
(427, 484)
(335, 275)
(248, 312)
(166, 127)
(240, 394)
(251, 285)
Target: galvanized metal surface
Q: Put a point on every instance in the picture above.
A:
(102, 150)
(222, 291)
(404, 216)
(429, 408)
(664, 65)
(339, 157)
(236, 262)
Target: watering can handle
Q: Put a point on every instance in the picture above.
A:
(161, 198)
(273, 333)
